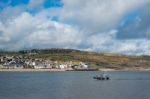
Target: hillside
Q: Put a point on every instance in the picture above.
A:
(93, 59)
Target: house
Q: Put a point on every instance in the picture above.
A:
(75, 66)
(39, 66)
(10, 65)
(1, 66)
(83, 65)
(33, 63)
(49, 66)
(1, 59)
(62, 66)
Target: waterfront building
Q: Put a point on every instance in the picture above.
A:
(40, 66)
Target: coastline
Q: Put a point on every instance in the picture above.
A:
(30, 70)
(62, 70)
(127, 69)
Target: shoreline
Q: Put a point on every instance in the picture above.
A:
(30, 70)
(127, 69)
(62, 70)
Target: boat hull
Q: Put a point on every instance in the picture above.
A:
(101, 78)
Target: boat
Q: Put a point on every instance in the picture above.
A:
(101, 77)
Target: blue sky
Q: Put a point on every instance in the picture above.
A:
(46, 4)
(98, 25)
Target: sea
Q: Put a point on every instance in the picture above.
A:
(74, 85)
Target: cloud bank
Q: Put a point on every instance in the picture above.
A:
(97, 25)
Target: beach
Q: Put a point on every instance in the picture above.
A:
(53, 70)
(30, 70)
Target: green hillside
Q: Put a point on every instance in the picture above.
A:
(93, 59)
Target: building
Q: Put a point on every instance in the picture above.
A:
(10, 65)
(1, 66)
(83, 65)
(62, 66)
(39, 66)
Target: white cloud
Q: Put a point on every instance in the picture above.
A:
(137, 46)
(92, 29)
(11, 12)
(37, 31)
(33, 3)
(107, 42)
(98, 15)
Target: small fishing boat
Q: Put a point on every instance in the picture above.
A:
(101, 77)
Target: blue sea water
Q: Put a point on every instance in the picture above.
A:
(74, 85)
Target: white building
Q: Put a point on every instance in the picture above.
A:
(10, 65)
(33, 63)
(62, 66)
(49, 66)
(84, 65)
(40, 66)
(1, 66)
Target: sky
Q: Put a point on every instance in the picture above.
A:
(115, 26)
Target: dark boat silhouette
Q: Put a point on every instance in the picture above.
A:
(101, 77)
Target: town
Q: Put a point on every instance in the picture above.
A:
(24, 62)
